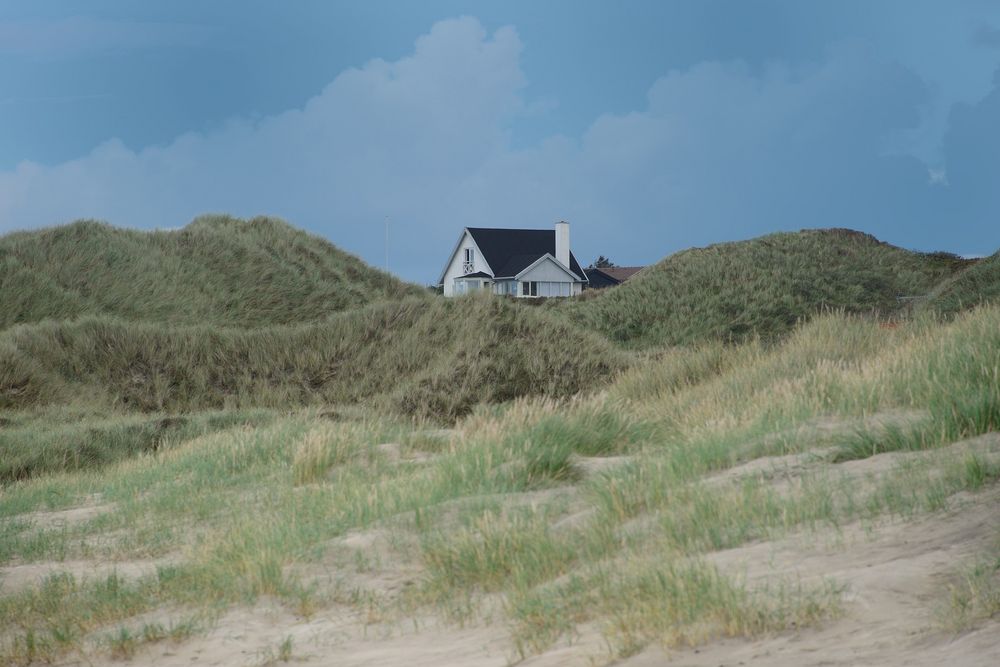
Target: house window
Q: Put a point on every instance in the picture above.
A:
(468, 260)
(529, 288)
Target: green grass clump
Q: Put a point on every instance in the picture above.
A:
(975, 594)
(64, 440)
(664, 598)
(496, 552)
(329, 445)
(955, 374)
(218, 270)
(761, 287)
(589, 432)
(54, 617)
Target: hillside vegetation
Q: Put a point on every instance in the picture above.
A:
(833, 480)
(413, 356)
(235, 430)
(980, 283)
(218, 270)
(761, 287)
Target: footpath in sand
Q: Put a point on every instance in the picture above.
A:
(896, 577)
(896, 580)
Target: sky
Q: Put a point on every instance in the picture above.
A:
(650, 126)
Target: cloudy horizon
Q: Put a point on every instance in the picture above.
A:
(485, 121)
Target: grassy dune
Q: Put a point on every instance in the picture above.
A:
(217, 270)
(280, 441)
(980, 283)
(761, 287)
(430, 359)
(601, 512)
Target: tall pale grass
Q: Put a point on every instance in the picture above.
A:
(503, 509)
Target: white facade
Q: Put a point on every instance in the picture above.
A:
(458, 266)
(548, 276)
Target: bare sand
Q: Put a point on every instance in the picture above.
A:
(897, 580)
(896, 577)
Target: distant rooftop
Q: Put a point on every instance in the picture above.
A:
(619, 273)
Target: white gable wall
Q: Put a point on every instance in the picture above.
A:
(553, 279)
(547, 270)
(455, 268)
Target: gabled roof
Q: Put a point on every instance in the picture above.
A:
(510, 251)
(549, 258)
(619, 273)
(458, 244)
(477, 274)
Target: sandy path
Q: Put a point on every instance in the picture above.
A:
(15, 578)
(337, 636)
(897, 578)
(90, 508)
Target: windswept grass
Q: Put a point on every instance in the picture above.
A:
(218, 270)
(416, 357)
(762, 287)
(978, 284)
(975, 593)
(63, 440)
(664, 598)
(500, 517)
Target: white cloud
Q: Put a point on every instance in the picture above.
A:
(937, 177)
(720, 152)
(385, 139)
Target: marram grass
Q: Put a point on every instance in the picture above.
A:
(495, 527)
(761, 288)
(436, 359)
(218, 270)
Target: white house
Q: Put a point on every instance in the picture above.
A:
(516, 262)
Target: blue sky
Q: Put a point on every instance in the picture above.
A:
(650, 126)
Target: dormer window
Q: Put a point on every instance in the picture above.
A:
(468, 262)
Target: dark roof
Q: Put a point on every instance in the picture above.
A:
(619, 273)
(597, 279)
(510, 251)
(477, 274)
(611, 275)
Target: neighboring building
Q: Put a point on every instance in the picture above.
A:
(609, 276)
(515, 262)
